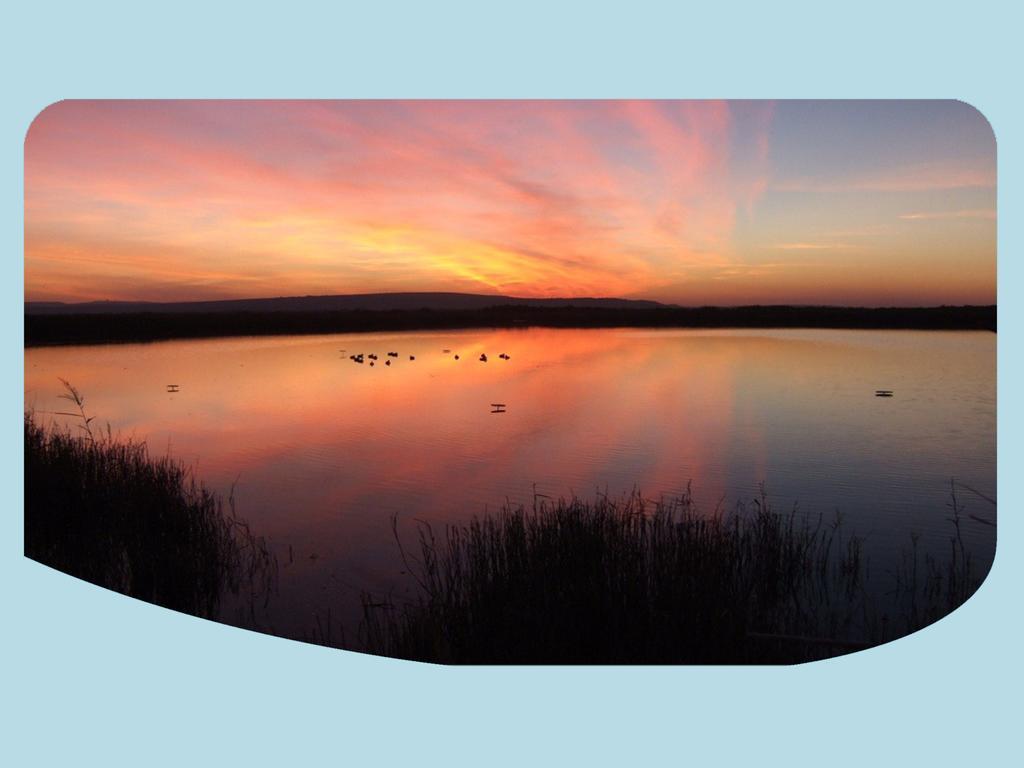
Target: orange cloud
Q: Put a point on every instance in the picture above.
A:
(540, 198)
(181, 200)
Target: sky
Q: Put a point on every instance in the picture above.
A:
(868, 203)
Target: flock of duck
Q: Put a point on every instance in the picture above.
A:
(363, 357)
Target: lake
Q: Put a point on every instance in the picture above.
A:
(321, 452)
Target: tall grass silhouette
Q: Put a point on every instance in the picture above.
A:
(104, 510)
(635, 581)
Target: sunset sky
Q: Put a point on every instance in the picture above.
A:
(844, 202)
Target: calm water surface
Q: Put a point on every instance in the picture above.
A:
(322, 452)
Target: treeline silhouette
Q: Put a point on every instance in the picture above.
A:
(43, 329)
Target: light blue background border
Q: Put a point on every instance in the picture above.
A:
(93, 678)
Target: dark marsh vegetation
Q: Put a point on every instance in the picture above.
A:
(106, 511)
(84, 328)
(634, 581)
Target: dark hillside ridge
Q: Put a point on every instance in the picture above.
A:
(379, 302)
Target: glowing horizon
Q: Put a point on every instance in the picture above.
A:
(845, 202)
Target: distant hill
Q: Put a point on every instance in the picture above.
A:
(361, 301)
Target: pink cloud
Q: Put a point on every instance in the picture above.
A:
(663, 199)
(542, 197)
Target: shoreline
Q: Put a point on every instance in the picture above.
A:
(110, 328)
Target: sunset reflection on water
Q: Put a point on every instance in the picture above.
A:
(321, 451)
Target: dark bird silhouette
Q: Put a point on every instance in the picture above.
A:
(483, 358)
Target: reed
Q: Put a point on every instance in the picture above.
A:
(105, 511)
(636, 581)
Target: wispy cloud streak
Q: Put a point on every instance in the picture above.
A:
(986, 214)
(541, 197)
